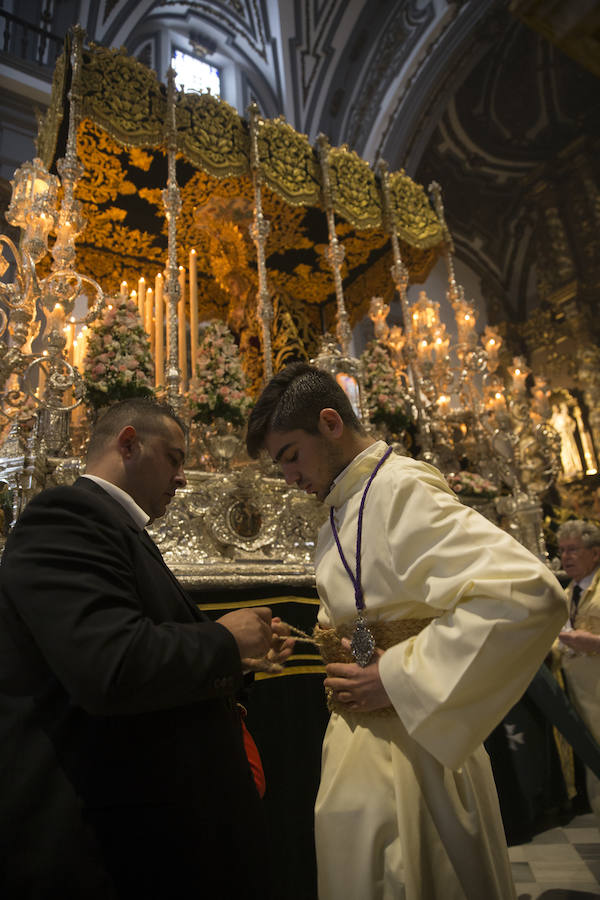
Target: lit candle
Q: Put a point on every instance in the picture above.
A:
(69, 332)
(181, 334)
(519, 376)
(124, 291)
(492, 342)
(56, 318)
(440, 346)
(159, 335)
(193, 309)
(499, 402)
(149, 313)
(40, 187)
(443, 404)
(82, 341)
(64, 230)
(466, 323)
(465, 320)
(167, 322)
(141, 297)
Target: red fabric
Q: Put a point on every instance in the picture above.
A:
(253, 757)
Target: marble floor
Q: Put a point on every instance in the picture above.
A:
(559, 864)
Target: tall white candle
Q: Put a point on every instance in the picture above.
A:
(149, 313)
(193, 310)
(159, 335)
(141, 297)
(181, 332)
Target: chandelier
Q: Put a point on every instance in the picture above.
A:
(43, 311)
(467, 415)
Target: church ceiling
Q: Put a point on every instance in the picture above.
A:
(465, 93)
(517, 113)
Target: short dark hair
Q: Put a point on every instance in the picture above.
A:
(294, 399)
(146, 415)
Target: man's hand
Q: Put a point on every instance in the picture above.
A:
(282, 644)
(251, 629)
(581, 641)
(359, 689)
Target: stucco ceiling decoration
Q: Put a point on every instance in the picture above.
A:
(313, 52)
(244, 19)
(113, 21)
(398, 40)
(312, 38)
(457, 140)
(520, 108)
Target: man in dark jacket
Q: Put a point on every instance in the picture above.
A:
(122, 767)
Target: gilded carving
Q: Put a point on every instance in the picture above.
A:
(123, 96)
(415, 220)
(121, 141)
(288, 163)
(354, 191)
(211, 135)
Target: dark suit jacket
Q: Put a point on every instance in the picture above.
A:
(120, 746)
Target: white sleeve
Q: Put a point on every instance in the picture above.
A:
(501, 608)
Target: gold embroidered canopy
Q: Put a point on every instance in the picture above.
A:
(121, 143)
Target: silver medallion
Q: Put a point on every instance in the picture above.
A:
(363, 642)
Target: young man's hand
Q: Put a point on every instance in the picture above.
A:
(358, 689)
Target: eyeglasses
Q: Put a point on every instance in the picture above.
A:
(571, 551)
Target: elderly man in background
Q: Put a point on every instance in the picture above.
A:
(579, 645)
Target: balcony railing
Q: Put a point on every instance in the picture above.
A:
(28, 42)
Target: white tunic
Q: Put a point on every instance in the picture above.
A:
(407, 806)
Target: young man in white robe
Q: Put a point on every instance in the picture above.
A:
(432, 622)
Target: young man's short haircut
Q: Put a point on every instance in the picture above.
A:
(294, 399)
(146, 415)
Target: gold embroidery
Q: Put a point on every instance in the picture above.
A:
(121, 143)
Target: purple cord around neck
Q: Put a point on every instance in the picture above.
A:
(355, 579)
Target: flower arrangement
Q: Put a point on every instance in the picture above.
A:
(386, 400)
(118, 363)
(471, 483)
(218, 388)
